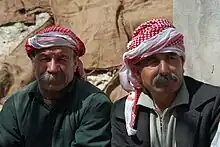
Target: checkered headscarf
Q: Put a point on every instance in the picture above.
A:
(151, 37)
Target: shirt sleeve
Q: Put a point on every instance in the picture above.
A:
(9, 131)
(94, 129)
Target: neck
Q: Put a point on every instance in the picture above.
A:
(162, 100)
(51, 97)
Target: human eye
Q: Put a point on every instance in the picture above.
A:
(153, 62)
(173, 56)
(149, 62)
(44, 59)
(64, 58)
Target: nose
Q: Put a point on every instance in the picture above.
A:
(52, 66)
(164, 68)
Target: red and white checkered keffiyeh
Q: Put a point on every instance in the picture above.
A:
(57, 36)
(151, 37)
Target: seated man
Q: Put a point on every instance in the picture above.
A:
(60, 108)
(164, 107)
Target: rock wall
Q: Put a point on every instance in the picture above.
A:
(106, 26)
(12, 11)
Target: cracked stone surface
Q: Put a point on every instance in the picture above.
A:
(12, 35)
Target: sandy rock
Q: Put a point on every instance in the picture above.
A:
(136, 12)
(106, 26)
(9, 74)
(98, 25)
(100, 80)
(12, 11)
(11, 36)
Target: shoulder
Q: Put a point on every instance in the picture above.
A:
(18, 101)
(88, 95)
(86, 87)
(118, 108)
(98, 98)
(94, 106)
(120, 102)
(202, 93)
(193, 85)
(22, 95)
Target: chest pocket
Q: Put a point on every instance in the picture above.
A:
(38, 127)
(43, 127)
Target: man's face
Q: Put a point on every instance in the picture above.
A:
(161, 72)
(54, 68)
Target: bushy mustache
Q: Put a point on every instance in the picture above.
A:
(48, 77)
(161, 79)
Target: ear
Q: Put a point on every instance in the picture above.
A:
(183, 63)
(75, 65)
(33, 62)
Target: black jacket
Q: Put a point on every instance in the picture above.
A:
(196, 122)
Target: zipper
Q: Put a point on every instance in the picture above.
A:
(161, 128)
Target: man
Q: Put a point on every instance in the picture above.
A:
(164, 107)
(60, 108)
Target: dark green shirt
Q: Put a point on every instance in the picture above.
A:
(80, 119)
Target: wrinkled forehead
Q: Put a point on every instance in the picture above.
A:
(163, 54)
(166, 51)
(159, 57)
(56, 51)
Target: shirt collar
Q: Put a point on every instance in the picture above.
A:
(34, 91)
(181, 98)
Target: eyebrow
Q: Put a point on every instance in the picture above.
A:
(172, 54)
(147, 58)
(57, 54)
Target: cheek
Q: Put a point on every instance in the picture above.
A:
(67, 70)
(39, 69)
(147, 76)
(178, 70)
(180, 74)
(178, 67)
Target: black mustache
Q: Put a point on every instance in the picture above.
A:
(160, 79)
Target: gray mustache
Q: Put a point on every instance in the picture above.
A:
(160, 79)
(47, 77)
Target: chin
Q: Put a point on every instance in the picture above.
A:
(170, 88)
(53, 87)
(165, 90)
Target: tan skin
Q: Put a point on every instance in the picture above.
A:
(58, 66)
(164, 64)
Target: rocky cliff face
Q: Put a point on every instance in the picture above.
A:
(104, 25)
